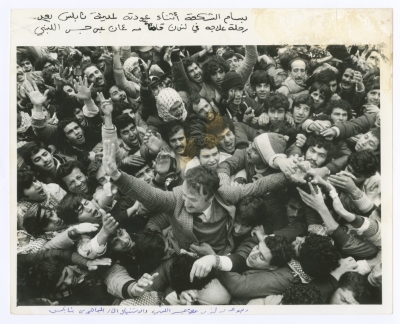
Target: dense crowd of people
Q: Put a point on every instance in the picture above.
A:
(202, 175)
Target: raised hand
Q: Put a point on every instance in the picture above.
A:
(93, 264)
(300, 140)
(154, 143)
(259, 232)
(344, 182)
(263, 119)
(289, 118)
(82, 89)
(134, 160)
(116, 49)
(84, 228)
(202, 267)
(163, 163)
(109, 160)
(106, 105)
(315, 200)
(36, 97)
(144, 284)
(329, 134)
(248, 115)
(109, 225)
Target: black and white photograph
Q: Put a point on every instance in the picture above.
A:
(219, 174)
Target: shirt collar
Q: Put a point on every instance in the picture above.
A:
(205, 217)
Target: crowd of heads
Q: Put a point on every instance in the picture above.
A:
(192, 121)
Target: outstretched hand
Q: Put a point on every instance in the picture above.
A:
(36, 97)
(109, 160)
(105, 104)
(82, 89)
(315, 200)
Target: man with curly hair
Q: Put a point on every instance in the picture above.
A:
(353, 290)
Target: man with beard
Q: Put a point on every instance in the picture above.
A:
(96, 77)
(317, 152)
(351, 87)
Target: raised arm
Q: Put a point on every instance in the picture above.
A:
(152, 198)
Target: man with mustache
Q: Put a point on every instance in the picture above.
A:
(97, 78)
(295, 82)
(351, 87)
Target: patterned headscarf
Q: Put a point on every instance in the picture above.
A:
(25, 123)
(129, 65)
(165, 99)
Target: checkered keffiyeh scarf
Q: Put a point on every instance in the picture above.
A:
(130, 64)
(165, 99)
(298, 271)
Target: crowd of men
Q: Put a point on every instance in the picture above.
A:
(211, 175)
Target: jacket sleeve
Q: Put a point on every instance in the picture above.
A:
(340, 159)
(256, 284)
(352, 245)
(45, 132)
(59, 242)
(249, 61)
(355, 126)
(158, 222)
(152, 198)
(90, 248)
(244, 133)
(233, 164)
(118, 281)
(149, 106)
(260, 187)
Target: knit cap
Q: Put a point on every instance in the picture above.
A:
(231, 80)
(269, 144)
(165, 99)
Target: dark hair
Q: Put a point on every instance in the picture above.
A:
(41, 62)
(320, 142)
(66, 169)
(323, 117)
(67, 209)
(363, 163)
(325, 76)
(323, 88)
(67, 106)
(123, 121)
(46, 273)
(33, 222)
(179, 273)
(344, 67)
(277, 100)
(229, 54)
(358, 285)
(93, 167)
(173, 128)
(302, 294)
(376, 132)
(25, 179)
(373, 84)
(61, 136)
(318, 257)
(118, 109)
(203, 180)
(250, 211)
(287, 58)
(281, 250)
(259, 77)
(21, 57)
(208, 141)
(212, 66)
(30, 149)
(304, 99)
(188, 62)
(88, 66)
(149, 250)
(340, 103)
(219, 124)
(284, 128)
